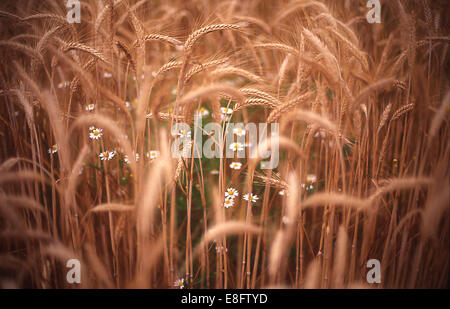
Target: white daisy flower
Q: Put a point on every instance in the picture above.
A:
(231, 193)
(95, 133)
(53, 149)
(214, 172)
(239, 131)
(320, 133)
(134, 103)
(251, 196)
(285, 220)
(153, 154)
(228, 203)
(127, 104)
(111, 154)
(226, 110)
(179, 283)
(236, 146)
(183, 133)
(202, 112)
(107, 155)
(90, 107)
(107, 75)
(282, 192)
(63, 84)
(236, 165)
(311, 178)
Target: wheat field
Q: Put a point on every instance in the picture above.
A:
(87, 112)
